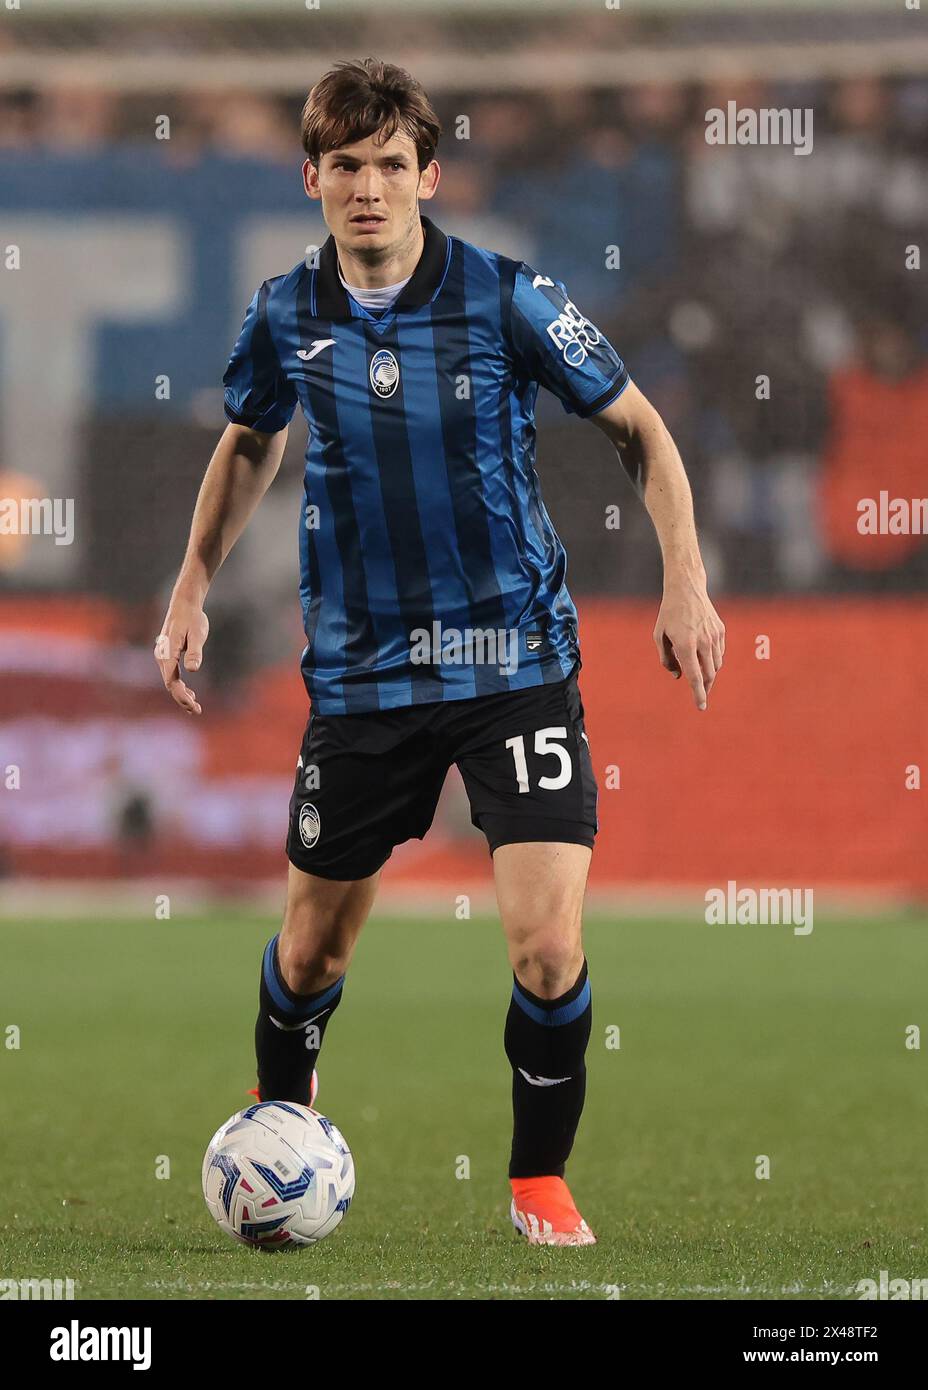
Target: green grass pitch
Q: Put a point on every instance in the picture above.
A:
(736, 1041)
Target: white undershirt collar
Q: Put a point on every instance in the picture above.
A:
(380, 298)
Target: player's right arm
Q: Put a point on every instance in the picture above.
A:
(259, 404)
(241, 470)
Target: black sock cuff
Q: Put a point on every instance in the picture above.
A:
(283, 996)
(574, 1001)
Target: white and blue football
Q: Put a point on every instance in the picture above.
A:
(278, 1175)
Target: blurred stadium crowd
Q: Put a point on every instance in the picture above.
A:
(733, 263)
(708, 267)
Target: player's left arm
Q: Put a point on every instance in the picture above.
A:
(689, 634)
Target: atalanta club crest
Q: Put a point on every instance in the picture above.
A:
(310, 825)
(385, 373)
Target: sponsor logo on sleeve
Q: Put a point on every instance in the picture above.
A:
(572, 334)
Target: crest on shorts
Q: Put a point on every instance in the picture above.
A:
(310, 824)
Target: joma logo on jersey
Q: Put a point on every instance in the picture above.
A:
(385, 373)
(572, 334)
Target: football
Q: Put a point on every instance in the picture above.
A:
(278, 1175)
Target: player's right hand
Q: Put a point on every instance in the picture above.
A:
(183, 634)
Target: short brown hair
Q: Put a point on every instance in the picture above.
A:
(356, 99)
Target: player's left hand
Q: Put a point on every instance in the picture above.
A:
(690, 636)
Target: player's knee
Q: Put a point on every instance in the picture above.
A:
(547, 966)
(320, 928)
(308, 966)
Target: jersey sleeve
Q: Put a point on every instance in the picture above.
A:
(556, 346)
(257, 393)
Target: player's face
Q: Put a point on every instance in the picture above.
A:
(370, 191)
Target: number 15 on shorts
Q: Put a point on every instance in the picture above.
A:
(546, 742)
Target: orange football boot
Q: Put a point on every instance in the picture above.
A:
(543, 1211)
(313, 1090)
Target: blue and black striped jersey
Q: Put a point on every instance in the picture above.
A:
(430, 569)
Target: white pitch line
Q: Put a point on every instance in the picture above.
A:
(395, 1286)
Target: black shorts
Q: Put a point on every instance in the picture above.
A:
(367, 782)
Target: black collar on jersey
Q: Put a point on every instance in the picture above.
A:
(332, 297)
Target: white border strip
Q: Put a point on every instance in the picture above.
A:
(67, 900)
